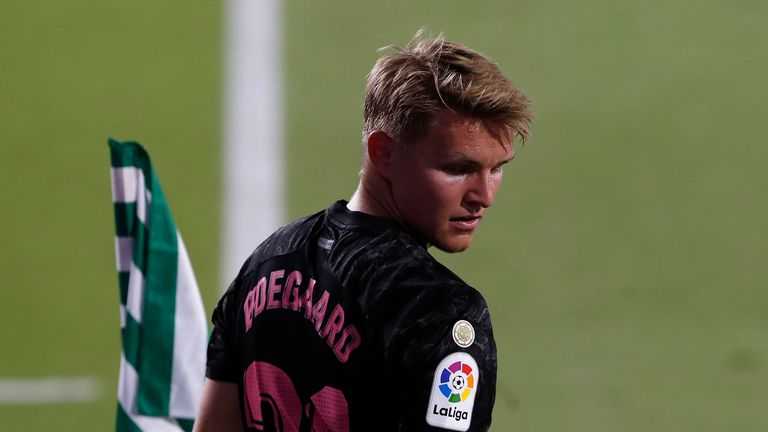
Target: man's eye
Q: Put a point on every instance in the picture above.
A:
(454, 169)
(499, 169)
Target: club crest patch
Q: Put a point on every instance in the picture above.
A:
(463, 333)
(454, 386)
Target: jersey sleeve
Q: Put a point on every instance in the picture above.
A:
(439, 348)
(222, 360)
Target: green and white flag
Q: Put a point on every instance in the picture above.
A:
(162, 320)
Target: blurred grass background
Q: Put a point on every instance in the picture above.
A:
(624, 260)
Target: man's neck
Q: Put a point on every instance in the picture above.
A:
(372, 197)
(376, 201)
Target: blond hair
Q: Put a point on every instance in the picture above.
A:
(407, 88)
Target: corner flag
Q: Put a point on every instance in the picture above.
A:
(162, 320)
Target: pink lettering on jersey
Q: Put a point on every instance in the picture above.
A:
(267, 387)
(274, 289)
(248, 305)
(305, 302)
(271, 293)
(261, 296)
(254, 302)
(318, 311)
(334, 325)
(291, 291)
(272, 403)
(349, 340)
(331, 410)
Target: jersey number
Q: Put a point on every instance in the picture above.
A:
(272, 404)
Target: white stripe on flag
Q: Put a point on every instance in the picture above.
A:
(126, 396)
(126, 385)
(122, 317)
(124, 182)
(134, 304)
(142, 201)
(128, 187)
(189, 341)
(123, 253)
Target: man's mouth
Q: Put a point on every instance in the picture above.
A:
(466, 223)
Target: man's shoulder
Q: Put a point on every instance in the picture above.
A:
(392, 271)
(401, 260)
(285, 239)
(372, 252)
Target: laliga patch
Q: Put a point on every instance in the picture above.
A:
(453, 392)
(463, 333)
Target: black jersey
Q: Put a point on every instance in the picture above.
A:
(343, 321)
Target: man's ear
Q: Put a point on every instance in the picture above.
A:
(381, 149)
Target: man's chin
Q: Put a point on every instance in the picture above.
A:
(454, 246)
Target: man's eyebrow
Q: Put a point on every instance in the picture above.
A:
(461, 158)
(507, 160)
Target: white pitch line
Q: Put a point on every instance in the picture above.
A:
(50, 390)
(253, 171)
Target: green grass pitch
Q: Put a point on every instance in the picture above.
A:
(624, 260)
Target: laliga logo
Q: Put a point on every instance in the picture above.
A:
(457, 382)
(454, 385)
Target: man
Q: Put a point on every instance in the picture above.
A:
(342, 320)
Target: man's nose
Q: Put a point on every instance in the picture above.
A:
(482, 189)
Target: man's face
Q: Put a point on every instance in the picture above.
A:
(443, 182)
